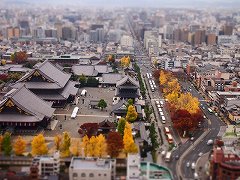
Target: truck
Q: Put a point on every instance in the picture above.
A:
(168, 157)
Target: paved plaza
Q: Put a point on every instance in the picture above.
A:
(85, 113)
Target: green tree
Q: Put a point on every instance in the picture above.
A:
(92, 82)
(153, 137)
(148, 112)
(121, 126)
(82, 80)
(6, 144)
(102, 104)
(130, 102)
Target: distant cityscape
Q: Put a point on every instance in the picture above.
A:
(98, 91)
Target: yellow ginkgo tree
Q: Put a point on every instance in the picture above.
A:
(131, 114)
(39, 146)
(65, 145)
(128, 142)
(19, 146)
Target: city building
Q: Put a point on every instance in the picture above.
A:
(13, 32)
(227, 30)
(140, 170)
(226, 39)
(211, 39)
(92, 168)
(133, 166)
(199, 37)
(126, 41)
(47, 165)
(223, 165)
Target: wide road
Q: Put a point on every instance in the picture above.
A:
(213, 123)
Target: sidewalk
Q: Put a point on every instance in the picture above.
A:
(201, 167)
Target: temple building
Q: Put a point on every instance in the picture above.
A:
(22, 109)
(50, 83)
(127, 88)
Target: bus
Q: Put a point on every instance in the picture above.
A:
(210, 110)
(74, 113)
(163, 119)
(169, 138)
(168, 156)
(166, 130)
(161, 103)
(147, 75)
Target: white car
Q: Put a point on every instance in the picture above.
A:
(200, 154)
(193, 166)
(188, 164)
(210, 142)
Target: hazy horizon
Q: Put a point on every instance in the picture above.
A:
(132, 3)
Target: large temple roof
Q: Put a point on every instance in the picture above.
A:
(129, 81)
(54, 77)
(30, 108)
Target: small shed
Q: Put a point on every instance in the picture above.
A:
(94, 104)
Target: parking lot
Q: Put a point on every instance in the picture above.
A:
(85, 113)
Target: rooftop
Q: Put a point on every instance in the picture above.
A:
(85, 163)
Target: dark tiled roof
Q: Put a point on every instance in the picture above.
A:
(87, 70)
(127, 78)
(28, 102)
(54, 74)
(69, 89)
(120, 104)
(106, 123)
(37, 85)
(91, 70)
(101, 68)
(111, 78)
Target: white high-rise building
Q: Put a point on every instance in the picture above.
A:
(126, 41)
(133, 167)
